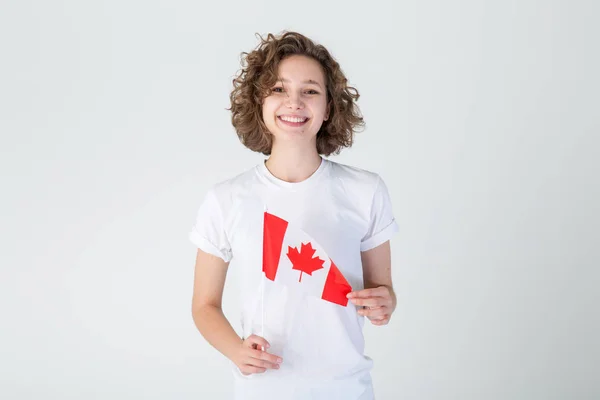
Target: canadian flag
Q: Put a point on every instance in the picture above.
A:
(291, 257)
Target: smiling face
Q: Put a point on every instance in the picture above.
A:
(297, 106)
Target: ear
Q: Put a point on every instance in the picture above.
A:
(327, 112)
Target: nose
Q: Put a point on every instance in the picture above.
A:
(294, 101)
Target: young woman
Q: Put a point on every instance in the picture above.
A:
(309, 237)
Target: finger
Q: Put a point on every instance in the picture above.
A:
(373, 312)
(379, 318)
(369, 302)
(263, 355)
(384, 321)
(262, 363)
(250, 369)
(371, 292)
(264, 359)
(256, 342)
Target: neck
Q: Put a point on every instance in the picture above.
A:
(293, 164)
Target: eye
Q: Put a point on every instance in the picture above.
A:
(277, 89)
(311, 91)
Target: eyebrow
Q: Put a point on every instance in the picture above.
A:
(309, 81)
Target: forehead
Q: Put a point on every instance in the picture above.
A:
(301, 68)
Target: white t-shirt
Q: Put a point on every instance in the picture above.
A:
(342, 211)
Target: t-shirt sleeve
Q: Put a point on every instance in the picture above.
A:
(208, 232)
(382, 225)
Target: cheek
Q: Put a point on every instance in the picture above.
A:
(320, 107)
(268, 109)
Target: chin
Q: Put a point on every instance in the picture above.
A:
(295, 136)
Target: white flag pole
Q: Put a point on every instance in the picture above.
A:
(262, 308)
(262, 289)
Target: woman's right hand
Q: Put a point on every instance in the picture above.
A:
(251, 359)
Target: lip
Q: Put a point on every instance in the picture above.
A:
(292, 124)
(292, 115)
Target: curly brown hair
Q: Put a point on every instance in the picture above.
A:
(258, 75)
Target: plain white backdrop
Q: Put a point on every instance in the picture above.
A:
(482, 117)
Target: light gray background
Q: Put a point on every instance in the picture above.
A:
(482, 117)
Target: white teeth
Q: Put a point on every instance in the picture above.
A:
(293, 119)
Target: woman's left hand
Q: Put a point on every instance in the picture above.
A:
(378, 304)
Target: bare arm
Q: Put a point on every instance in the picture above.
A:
(209, 280)
(378, 295)
(377, 268)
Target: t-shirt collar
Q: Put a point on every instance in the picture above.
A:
(265, 173)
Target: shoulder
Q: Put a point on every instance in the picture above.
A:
(357, 188)
(354, 177)
(234, 186)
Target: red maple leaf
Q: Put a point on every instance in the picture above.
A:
(303, 260)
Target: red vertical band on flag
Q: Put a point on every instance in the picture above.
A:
(273, 232)
(336, 287)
